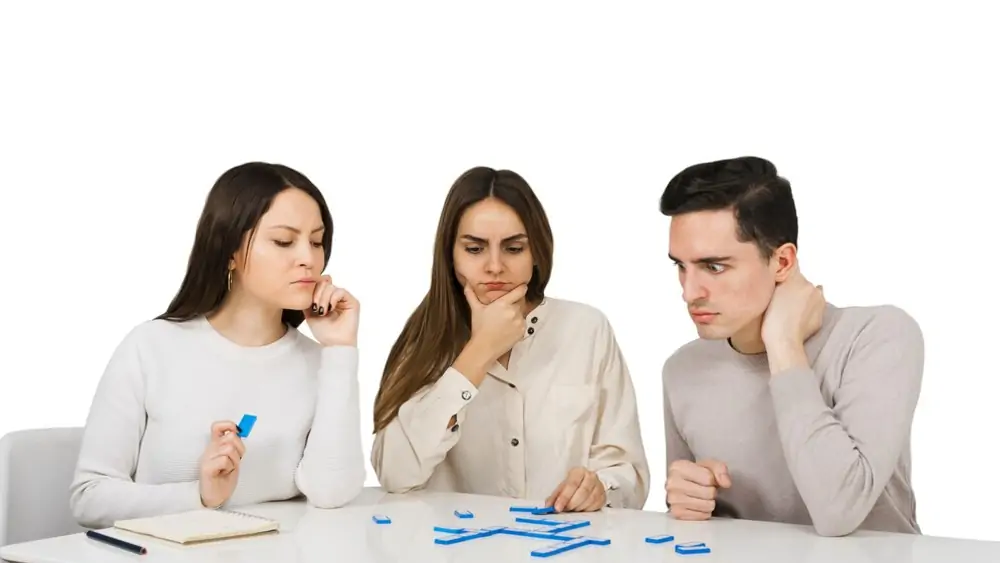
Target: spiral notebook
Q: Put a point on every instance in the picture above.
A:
(200, 525)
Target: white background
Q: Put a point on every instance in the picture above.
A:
(116, 119)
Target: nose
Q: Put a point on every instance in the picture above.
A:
(494, 263)
(692, 288)
(305, 257)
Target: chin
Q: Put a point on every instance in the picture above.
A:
(296, 303)
(713, 332)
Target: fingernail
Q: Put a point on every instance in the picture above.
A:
(314, 307)
(320, 311)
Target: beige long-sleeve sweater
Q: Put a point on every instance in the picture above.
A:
(827, 445)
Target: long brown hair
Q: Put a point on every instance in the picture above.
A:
(234, 206)
(439, 328)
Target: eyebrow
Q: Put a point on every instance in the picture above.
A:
(294, 230)
(512, 238)
(705, 260)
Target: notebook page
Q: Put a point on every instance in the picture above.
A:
(199, 525)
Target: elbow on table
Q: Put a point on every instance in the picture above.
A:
(391, 484)
(83, 510)
(340, 492)
(833, 522)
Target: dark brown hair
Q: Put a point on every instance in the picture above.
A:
(234, 206)
(761, 200)
(440, 327)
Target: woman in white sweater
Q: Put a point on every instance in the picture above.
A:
(162, 434)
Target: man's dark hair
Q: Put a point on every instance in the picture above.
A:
(761, 200)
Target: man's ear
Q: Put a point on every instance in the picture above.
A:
(785, 261)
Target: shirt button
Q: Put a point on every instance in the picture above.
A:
(466, 395)
(514, 442)
(454, 428)
(534, 320)
(531, 330)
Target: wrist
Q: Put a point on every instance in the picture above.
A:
(785, 354)
(474, 361)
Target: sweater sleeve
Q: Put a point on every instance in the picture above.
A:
(842, 457)
(676, 446)
(102, 490)
(617, 454)
(332, 470)
(406, 452)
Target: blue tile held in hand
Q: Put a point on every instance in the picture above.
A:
(380, 519)
(544, 510)
(463, 514)
(663, 538)
(246, 425)
(691, 548)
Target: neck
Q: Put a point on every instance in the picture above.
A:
(747, 340)
(528, 306)
(247, 322)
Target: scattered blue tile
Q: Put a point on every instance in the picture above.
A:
(691, 548)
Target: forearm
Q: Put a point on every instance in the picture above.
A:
(97, 500)
(474, 362)
(332, 470)
(406, 452)
(836, 482)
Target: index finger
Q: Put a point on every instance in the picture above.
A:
(515, 295)
(697, 474)
(572, 483)
(236, 441)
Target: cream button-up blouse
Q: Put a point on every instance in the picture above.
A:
(566, 400)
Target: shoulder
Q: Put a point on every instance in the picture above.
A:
(576, 315)
(160, 331)
(875, 324)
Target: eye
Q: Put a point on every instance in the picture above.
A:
(473, 249)
(715, 268)
(317, 245)
(679, 265)
(283, 243)
(515, 249)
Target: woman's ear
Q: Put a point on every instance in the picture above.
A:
(785, 262)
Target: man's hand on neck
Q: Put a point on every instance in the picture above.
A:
(794, 315)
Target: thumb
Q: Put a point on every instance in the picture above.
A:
(719, 471)
(470, 296)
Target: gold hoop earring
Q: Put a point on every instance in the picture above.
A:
(229, 280)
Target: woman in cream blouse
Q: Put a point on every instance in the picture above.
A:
(494, 388)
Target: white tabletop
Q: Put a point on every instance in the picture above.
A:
(349, 534)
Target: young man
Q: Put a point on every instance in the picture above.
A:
(787, 408)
